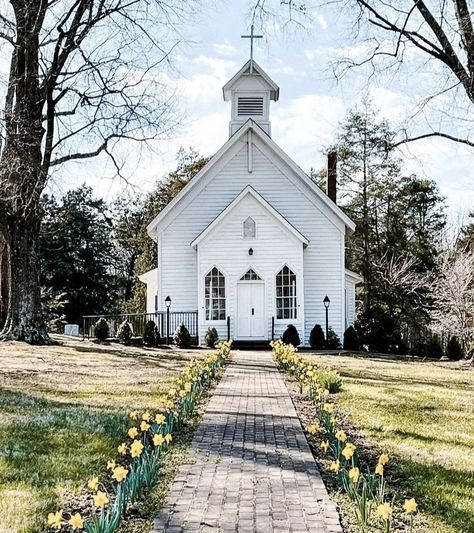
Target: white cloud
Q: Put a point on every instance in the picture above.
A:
(225, 49)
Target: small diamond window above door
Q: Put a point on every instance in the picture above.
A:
(250, 275)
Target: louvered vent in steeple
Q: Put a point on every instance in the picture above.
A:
(249, 106)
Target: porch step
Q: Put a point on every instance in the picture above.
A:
(251, 345)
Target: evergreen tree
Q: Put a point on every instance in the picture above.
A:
(76, 254)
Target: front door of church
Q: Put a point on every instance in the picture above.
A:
(251, 310)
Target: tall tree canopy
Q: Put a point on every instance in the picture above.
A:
(83, 80)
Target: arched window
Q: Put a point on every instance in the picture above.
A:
(286, 294)
(249, 228)
(214, 295)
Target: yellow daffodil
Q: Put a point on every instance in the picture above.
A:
(379, 469)
(410, 506)
(93, 483)
(168, 438)
(122, 448)
(341, 436)
(384, 510)
(136, 448)
(144, 426)
(324, 445)
(169, 404)
(76, 521)
(158, 439)
(328, 407)
(312, 429)
(146, 416)
(54, 519)
(354, 474)
(335, 466)
(182, 393)
(100, 499)
(187, 387)
(110, 464)
(325, 393)
(348, 451)
(133, 415)
(172, 393)
(160, 418)
(383, 459)
(133, 432)
(119, 473)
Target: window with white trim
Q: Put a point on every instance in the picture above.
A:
(286, 294)
(250, 275)
(250, 229)
(214, 295)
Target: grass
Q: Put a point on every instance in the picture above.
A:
(62, 413)
(422, 413)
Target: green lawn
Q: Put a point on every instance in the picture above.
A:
(422, 413)
(62, 413)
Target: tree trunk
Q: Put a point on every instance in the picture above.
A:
(24, 319)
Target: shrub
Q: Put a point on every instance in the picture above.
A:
(101, 329)
(212, 337)
(182, 337)
(316, 338)
(125, 332)
(151, 335)
(378, 340)
(291, 336)
(454, 349)
(434, 348)
(333, 342)
(351, 339)
(329, 379)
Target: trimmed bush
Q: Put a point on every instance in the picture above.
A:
(434, 348)
(151, 335)
(182, 337)
(333, 342)
(351, 339)
(316, 338)
(454, 349)
(378, 340)
(212, 337)
(125, 332)
(291, 336)
(101, 329)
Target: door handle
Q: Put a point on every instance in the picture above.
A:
(253, 311)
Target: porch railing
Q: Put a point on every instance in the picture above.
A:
(138, 321)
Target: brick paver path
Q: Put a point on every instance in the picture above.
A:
(251, 469)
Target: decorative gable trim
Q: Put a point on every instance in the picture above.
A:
(274, 89)
(226, 150)
(252, 192)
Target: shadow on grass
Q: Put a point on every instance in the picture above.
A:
(46, 445)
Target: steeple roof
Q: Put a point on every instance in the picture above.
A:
(251, 69)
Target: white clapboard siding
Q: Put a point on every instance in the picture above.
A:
(323, 259)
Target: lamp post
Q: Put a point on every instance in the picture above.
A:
(168, 304)
(326, 303)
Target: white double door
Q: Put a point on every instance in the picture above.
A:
(251, 310)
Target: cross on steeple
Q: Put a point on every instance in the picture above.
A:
(252, 36)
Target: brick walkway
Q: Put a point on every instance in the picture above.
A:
(251, 469)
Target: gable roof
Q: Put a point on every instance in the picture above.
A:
(249, 190)
(245, 71)
(266, 139)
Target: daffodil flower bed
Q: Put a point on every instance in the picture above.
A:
(139, 456)
(365, 488)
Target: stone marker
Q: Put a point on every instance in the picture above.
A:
(71, 330)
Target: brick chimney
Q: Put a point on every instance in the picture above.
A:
(331, 178)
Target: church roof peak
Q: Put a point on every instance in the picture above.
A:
(251, 69)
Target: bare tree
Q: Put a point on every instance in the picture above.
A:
(452, 291)
(432, 36)
(84, 80)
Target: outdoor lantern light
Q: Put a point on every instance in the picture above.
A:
(250, 251)
(326, 303)
(168, 303)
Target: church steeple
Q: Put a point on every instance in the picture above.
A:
(250, 91)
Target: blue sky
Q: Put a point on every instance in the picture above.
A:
(311, 102)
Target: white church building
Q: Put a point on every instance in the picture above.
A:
(251, 242)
